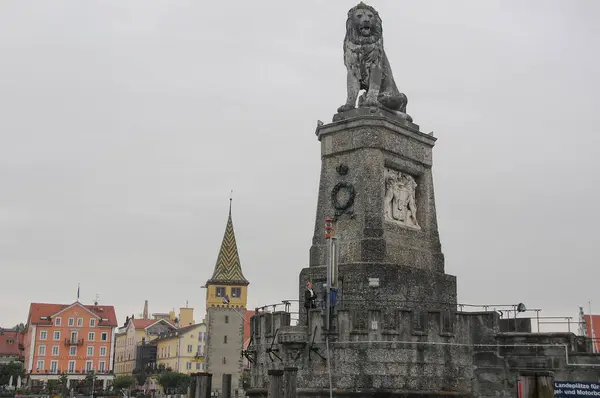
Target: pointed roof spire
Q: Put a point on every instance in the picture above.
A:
(228, 269)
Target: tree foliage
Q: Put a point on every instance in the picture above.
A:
(140, 377)
(174, 382)
(120, 382)
(14, 369)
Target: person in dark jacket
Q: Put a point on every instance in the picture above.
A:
(309, 299)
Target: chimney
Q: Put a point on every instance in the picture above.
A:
(186, 317)
(145, 315)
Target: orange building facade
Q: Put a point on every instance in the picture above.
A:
(74, 339)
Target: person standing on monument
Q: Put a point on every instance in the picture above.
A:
(309, 299)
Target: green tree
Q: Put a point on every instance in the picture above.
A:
(120, 382)
(14, 369)
(174, 382)
(53, 386)
(140, 377)
(63, 381)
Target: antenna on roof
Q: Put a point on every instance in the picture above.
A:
(186, 303)
(97, 299)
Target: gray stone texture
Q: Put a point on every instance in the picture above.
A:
(367, 145)
(223, 321)
(407, 262)
(467, 356)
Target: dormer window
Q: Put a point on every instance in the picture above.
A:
(221, 291)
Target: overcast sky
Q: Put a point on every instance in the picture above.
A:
(125, 124)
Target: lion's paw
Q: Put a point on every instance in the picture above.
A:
(368, 103)
(345, 108)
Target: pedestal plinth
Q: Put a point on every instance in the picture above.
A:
(376, 183)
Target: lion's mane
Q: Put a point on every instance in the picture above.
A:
(352, 33)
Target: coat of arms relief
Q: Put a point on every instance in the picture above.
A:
(400, 204)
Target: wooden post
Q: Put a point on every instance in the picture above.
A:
(203, 385)
(275, 383)
(537, 384)
(289, 382)
(226, 385)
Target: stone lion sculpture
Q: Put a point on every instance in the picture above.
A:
(367, 65)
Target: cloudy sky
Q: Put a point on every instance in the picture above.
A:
(125, 124)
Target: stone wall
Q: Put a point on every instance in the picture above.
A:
(458, 354)
(224, 322)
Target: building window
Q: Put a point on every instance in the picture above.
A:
(197, 365)
(56, 335)
(169, 351)
(190, 348)
(57, 321)
(43, 334)
(221, 291)
(101, 366)
(42, 350)
(236, 292)
(55, 350)
(188, 365)
(10, 341)
(226, 318)
(71, 366)
(90, 351)
(71, 321)
(92, 322)
(40, 365)
(224, 339)
(199, 350)
(91, 336)
(79, 322)
(88, 366)
(73, 337)
(72, 351)
(224, 360)
(53, 366)
(104, 336)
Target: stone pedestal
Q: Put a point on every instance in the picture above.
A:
(376, 183)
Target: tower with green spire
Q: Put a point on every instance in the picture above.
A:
(227, 286)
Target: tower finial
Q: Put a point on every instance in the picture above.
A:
(230, 200)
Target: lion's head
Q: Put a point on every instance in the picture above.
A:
(363, 25)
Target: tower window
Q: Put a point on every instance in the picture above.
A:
(226, 319)
(221, 291)
(236, 292)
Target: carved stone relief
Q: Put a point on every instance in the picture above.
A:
(400, 204)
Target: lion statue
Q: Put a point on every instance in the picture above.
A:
(367, 65)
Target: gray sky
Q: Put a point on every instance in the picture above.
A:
(124, 124)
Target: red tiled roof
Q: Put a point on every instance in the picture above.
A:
(143, 323)
(11, 349)
(39, 310)
(247, 315)
(593, 320)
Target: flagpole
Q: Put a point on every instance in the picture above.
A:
(78, 286)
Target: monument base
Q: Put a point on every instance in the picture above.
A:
(387, 287)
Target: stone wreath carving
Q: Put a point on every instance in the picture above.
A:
(343, 206)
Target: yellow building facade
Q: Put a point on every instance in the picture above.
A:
(183, 350)
(130, 336)
(227, 287)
